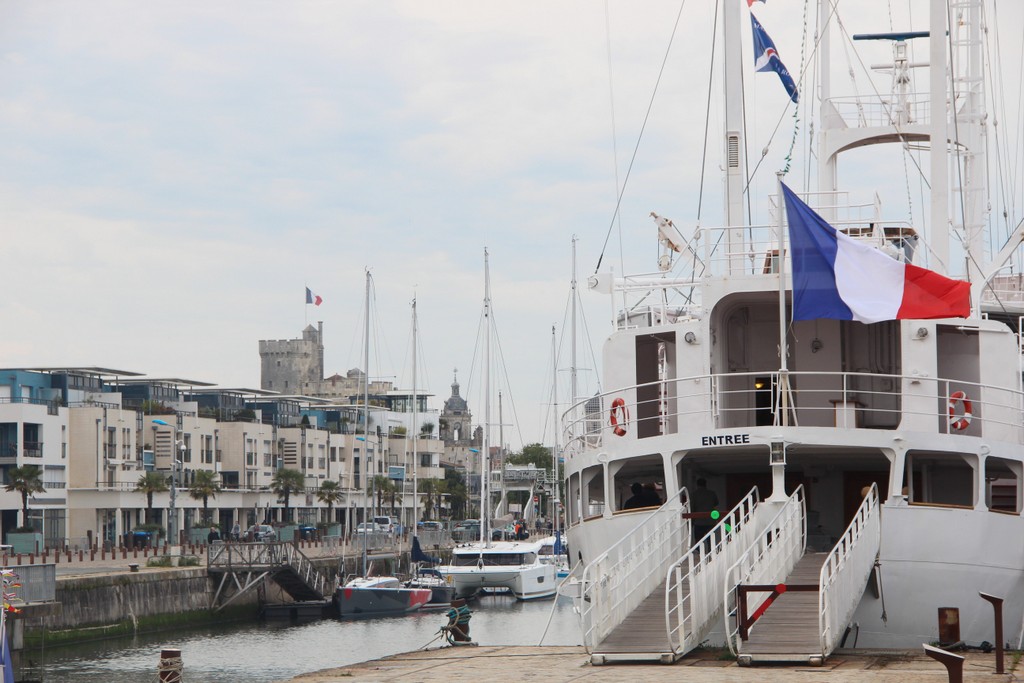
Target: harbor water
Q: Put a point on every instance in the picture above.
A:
(276, 651)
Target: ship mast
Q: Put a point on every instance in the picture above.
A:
(485, 461)
(735, 173)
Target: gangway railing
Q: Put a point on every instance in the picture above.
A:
(778, 547)
(618, 580)
(310, 575)
(693, 587)
(846, 571)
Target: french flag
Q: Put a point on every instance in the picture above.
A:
(837, 277)
(312, 298)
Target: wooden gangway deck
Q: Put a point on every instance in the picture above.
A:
(641, 636)
(789, 631)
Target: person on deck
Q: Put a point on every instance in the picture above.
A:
(703, 499)
(458, 620)
(637, 499)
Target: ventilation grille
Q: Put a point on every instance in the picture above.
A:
(733, 150)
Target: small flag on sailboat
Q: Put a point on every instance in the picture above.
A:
(312, 298)
(766, 58)
(750, 3)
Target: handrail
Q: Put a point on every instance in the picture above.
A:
(704, 567)
(846, 570)
(619, 579)
(779, 546)
(305, 569)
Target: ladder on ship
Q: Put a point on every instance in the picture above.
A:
(788, 605)
(651, 605)
(243, 567)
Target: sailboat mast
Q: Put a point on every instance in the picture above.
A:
(415, 432)
(554, 497)
(485, 460)
(366, 417)
(572, 333)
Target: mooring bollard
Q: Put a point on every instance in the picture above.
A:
(997, 607)
(954, 663)
(170, 666)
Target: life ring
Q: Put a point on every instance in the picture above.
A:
(959, 423)
(619, 409)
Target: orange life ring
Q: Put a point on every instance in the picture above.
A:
(619, 406)
(959, 423)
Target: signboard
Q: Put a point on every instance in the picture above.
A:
(396, 472)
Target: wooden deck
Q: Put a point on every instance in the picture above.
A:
(641, 636)
(788, 630)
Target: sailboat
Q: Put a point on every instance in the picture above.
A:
(514, 566)
(374, 595)
(867, 458)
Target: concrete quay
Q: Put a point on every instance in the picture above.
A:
(556, 664)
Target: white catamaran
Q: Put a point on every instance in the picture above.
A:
(514, 566)
(868, 475)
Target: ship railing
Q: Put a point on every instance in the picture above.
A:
(617, 581)
(1004, 288)
(693, 588)
(770, 558)
(846, 571)
(860, 112)
(815, 399)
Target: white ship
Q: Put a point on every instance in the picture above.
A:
(869, 475)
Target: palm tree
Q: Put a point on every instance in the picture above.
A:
(383, 485)
(26, 481)
(204, 486)
(432, 490)
(284, 484)
(330, 493)
(150, 483)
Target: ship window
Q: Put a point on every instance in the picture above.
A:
(1002, 485)
(764, 391)
(943, 479)
(593, 491)
(649, 473)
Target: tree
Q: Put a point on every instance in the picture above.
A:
(150, 483)
(532, 454)
(455, 484)
(383, 486)
(432, 490)
(284, 484)
(26, 480)
(427, 428)
(330, 493)
(204, 486)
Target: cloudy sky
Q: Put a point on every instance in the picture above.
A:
(173, 175)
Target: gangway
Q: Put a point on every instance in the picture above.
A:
(670, 620)
(622, 590)
(243, 567)
(790, 605)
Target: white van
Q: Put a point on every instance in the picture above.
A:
(383, 523)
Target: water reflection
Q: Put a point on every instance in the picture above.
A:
(262, 653)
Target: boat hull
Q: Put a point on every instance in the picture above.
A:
(525, 583)
(357, 601)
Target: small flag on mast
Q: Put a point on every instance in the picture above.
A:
(766, 58)
(312, 298)
(750, 3)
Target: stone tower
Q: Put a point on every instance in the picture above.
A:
(293, 366)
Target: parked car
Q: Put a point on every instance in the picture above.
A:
(366, 527)
(262, 532)
(430, 526)
(383, 523)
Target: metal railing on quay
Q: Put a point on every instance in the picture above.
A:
(846, 570)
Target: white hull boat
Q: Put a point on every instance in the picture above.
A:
(868, 459)
(513, 566)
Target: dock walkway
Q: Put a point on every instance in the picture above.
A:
(556, 664)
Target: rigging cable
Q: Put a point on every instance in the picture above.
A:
(796, 110)
(615, 144)
(643, 127)
(707, 116)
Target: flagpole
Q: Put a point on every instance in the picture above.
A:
(783, 399)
